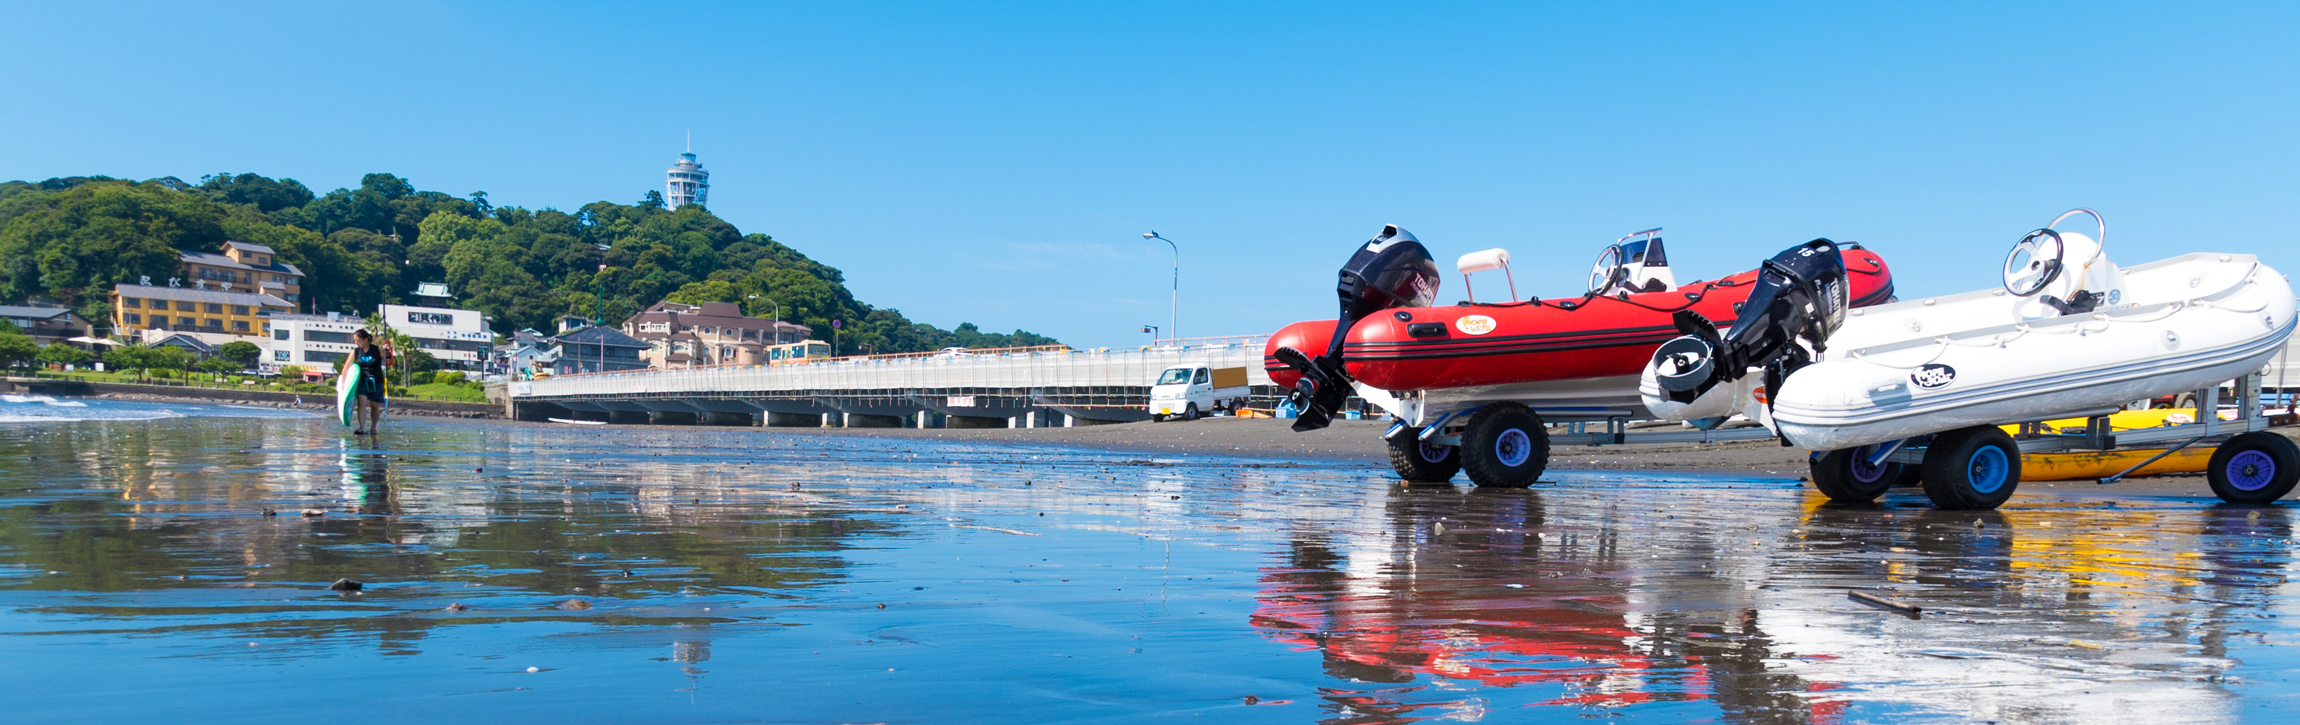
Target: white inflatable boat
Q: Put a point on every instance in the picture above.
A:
(2069, 331)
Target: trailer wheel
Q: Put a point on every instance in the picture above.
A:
(1504, 445)
(1845, 476)
(1421, 462)
(2257, 467)
(1972, 468)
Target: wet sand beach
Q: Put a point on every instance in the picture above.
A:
(538, 572)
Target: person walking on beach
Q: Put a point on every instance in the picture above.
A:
(369, 361)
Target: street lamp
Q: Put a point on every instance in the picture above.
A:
(1174, 308)
(778, 315)
(1153, 330)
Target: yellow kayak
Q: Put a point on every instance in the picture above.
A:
(2100, 464)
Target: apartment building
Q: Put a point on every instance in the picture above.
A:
(318, 342)
(243, 267)
(712, 333)
(138, 308)
(456, 338)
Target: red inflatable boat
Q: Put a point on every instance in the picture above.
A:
(1475, 386)
(1593, 336)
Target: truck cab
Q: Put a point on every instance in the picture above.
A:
(1192, 391)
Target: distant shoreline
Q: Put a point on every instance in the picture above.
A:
(1344, 441)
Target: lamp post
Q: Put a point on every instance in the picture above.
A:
(778, 315)
(1174, 309)
(1153, 330)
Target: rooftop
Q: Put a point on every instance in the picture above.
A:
(196, 295)
(249, 247)
(33, 313)
(218, 260)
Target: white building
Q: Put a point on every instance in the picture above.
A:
(313, 342)
(456, 338)
(686, 183)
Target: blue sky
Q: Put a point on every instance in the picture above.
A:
(998, 162)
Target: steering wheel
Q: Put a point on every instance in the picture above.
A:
(2035, 261)
(1608, 269)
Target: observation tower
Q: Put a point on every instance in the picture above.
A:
(686, 183)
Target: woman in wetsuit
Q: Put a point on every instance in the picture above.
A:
(369, 361)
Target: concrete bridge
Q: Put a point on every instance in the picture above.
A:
(994, 388)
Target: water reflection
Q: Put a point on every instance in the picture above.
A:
(935, 581)
(1692, 603)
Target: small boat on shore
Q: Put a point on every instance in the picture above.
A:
(571, 421)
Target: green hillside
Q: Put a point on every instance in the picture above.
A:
(70, 239)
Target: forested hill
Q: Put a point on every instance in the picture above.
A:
(69, 239)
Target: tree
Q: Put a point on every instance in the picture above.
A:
(16, 348)
(72, 238)
(241, 354)
(61, 354)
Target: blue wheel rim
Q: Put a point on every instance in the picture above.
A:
(1862, 470)
(1989, 469)
(2250, 470)
(1512, 447)
(1435, 453)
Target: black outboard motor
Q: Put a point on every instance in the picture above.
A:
(1801, 293)
(1391, 270)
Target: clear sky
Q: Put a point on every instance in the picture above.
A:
(998, 162)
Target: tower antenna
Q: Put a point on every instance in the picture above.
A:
(690, 140)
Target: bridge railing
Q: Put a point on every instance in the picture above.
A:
(1034, 368)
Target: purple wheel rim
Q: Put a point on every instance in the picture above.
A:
(2250, 470)
(1864, 471)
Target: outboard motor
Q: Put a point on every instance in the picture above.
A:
(1801, 293)
(1391, 270)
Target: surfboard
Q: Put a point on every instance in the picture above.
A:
(346, 391)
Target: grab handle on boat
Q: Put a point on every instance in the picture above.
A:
(1496, 258)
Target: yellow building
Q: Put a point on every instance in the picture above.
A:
(137, 307)
(243, 267)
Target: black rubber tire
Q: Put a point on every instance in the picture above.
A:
(1844, 476)
(2254, 468)
(1504, 445)
(2186, 400)
(1410, 457)
(1972, 468)
(1190, 412)
(1156, 418)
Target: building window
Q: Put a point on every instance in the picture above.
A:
(279, 335)
(185, 307)
(240, 325)
(291, 297)
(184, 321)
(133, 318)
(131, 303)
(215, 309)
(239, 309)
(215, 323)
(321, 357)
(281, 355)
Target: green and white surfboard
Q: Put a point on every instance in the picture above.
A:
(346, 391)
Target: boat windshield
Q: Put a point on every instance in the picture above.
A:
(1175, 376)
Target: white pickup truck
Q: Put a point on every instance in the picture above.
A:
(1190, 392)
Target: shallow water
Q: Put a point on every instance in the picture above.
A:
(741, 575)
